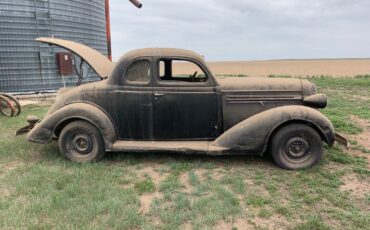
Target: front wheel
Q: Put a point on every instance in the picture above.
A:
(296, 146)
(81, 142)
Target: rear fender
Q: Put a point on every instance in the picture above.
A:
(253, 134)
(44, 131)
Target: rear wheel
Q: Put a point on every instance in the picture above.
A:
(81, 142)
(296, 146)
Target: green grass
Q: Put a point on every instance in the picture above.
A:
(145, 186)
(41, 190)
(347, 97)
(313, 222)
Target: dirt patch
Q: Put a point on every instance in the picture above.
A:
(368, 160)
(153, 172)
(364, 137)
(146, 202)
(240, 223)
(184, 180)
(156, 222)
(147, 171)
(28, 102)
(217, 175)
(332, 166)
(274, 222)
(11, 165)
(4, 168)
(5, 192)
(358, 153)
(360, 97)
(358, 188)
(126, 186)
(200, 173)
(248, 182)
(186, 226)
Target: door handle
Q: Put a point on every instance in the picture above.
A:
(158, 94)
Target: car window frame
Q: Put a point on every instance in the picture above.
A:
(125, 82)
(163, 83)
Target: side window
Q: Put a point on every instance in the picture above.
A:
(138, 72)
(180, 70)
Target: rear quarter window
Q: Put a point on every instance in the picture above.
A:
(138, 72)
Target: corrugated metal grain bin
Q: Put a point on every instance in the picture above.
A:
(28, 66)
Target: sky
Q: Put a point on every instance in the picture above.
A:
(230, 30)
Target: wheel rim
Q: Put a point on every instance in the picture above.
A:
(15, 108)
(297, 149)
(6, 108)
(80, 144)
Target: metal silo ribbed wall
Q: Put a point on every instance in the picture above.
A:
(28, 66)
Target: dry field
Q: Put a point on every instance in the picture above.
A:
(301, 68)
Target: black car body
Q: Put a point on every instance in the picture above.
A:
(141, 104)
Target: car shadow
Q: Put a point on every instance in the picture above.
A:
(158, 157)
(173, 157)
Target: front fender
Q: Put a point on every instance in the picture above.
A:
(252, 135)
(43, 132)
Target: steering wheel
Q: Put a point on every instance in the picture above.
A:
(192, 77)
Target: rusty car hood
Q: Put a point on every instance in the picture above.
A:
(98, 62)
(234, 84)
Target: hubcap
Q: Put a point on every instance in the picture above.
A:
(82, 143)
(297, 147)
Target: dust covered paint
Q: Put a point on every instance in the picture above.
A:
(144, 105)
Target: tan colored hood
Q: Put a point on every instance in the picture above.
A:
(304, 87)
(250, 83)
(98, 62)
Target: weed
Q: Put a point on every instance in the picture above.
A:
(264, 213)
(313, 222)
(256, 200)
(145, 186)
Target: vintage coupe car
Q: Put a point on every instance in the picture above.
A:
(168, 100)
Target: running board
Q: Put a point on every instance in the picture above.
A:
(172, 146)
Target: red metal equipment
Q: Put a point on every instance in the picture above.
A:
(107, 18)
(64, 63)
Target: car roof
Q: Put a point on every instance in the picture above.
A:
(162, 52)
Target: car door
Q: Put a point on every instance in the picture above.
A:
(185, 102)
(133, 101)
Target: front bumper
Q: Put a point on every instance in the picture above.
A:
(342, 140)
